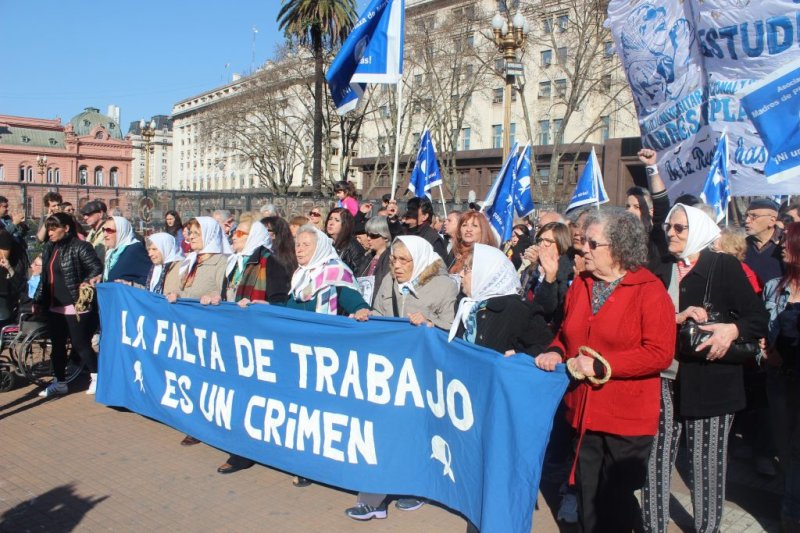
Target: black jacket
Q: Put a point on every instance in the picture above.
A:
(352, 254)
(510, 323)
(79, 263)
(381, 269)
(712, 388)
(657, 243)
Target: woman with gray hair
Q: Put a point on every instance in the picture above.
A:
(618, 333)
(417, 288)
(377, 267)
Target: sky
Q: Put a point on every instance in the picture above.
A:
(143, 55)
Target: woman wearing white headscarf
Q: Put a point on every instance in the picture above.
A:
(418, 288)
(166, 255)
(202, 271)
(711, 386)
(126, 259)
(492, 314)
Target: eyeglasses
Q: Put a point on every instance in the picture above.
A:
(540, 240)
(679, 228)
(109, 230)
(239, 233)
(753, 216)
(374, 235)
(314, 214)
(593, 244)
(401, 260)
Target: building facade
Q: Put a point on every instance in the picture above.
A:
(159, 173)
(87, 155)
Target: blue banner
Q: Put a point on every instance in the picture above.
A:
(523, 201)
(372, 53)
(499, 204)
(590, 188)
(379, 407)
(717, 189)
(426, 173)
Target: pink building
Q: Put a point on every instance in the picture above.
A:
(82, 160)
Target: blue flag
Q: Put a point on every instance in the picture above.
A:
(499, 204)
(372, 53)
(590, 188)
(426, 174)
(523, 201)
(379, 406)
(717, 189)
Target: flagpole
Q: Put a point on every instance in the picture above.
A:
(441, 193)
(397, 137)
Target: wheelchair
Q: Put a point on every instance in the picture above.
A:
(25, 350)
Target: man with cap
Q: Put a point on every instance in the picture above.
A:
(763, 239)
(95, 214)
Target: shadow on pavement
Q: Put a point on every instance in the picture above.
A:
(59, 509)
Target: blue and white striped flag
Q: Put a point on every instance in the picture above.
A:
(426, 174)
(523, 201)
(499, 204)
(372, 53)
(590, 188)
(717, 189)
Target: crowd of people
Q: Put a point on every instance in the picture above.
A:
(672, 329)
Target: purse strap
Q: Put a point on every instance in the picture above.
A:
(706, 296)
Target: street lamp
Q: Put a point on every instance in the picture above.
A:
(41, 162)
(148, 131)
(509, 38)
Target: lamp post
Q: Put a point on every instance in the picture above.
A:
(148, 131)
(509, 39)
(41, 162)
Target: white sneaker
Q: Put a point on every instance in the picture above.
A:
(55, 388)
(92, 384)
(568, 510)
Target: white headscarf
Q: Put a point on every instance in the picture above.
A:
(701, 233)
(170, 252)
(214, 242)
(423, 256)
(125, 237)
(493, 274)
(323, 253)
(258, 236)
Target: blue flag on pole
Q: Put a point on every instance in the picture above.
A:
(717, 189)
(523, 201)
(499, 204)
(372, 53)
(590, 188)
(378, 406)
(426, 174)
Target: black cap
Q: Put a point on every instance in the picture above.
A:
(360, 228)
(763, 203)
(95, 206)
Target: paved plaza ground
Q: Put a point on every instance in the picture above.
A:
(69, 463)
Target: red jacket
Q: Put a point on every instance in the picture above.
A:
(635, 331)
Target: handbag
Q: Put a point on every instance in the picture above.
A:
(690, 336)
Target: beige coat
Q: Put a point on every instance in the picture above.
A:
(209, 279)
(436, 300)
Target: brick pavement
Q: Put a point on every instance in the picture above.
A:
(71, 464)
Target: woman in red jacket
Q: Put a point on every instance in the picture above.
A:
(621, 311)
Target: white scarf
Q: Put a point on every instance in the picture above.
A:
(422, 255)
(125, 237)
(701, 233)
(214, 242)
(258, 236)
(323, 252)
(492, 275)
(170, 252)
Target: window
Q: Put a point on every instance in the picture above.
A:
(464, 180)
(605, 83)
(513, 94)
(605, 128)
(545, 89)
(608, 49)
(52, 141)
(547, 25)
(113, 177)
(26, 174)
(562, 55)
(2, 173)
(547, 58)
(382, 145)
(417, 79)
(470, 41)
(513, 133)
(385, 113)
(98, 176)
(415, 139)
(26, 139)
(416, 108)
(561, 88)
(57, 175)
(562, 22)
(559, 135)
(544, 174)
(500, 64)
(21, 173)
(560, 175)
(466, 133)
(83, 176)
(497, 95)
(469, 70)
(544, 132)
(49, 175)
(497, 136)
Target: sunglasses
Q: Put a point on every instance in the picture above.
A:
(239, 233)
(593, 244)
(679, 228)
(314, 214)
(109, 230)
(374, 235)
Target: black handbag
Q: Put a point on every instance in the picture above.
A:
(690, 336)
